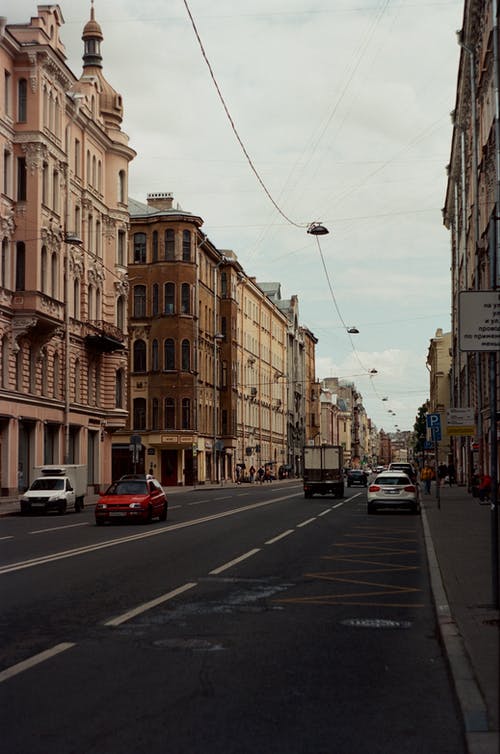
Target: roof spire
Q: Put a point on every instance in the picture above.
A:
(92, 38)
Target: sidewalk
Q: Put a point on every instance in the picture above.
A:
(458, 537)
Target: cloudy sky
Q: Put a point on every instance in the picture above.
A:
(344, 109)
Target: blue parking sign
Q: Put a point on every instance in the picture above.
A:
(434, 424)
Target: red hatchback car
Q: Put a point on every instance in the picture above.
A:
(132, 498)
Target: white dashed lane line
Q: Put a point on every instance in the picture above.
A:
(280, 536)
(35, 660)
(224, 567)
(305, 523)
(149, 605)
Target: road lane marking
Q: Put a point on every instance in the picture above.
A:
(149, 605)
(323, 513)
(224, 567)
(135, 537)
(304, 523)
(2, 538)
(280, 536)
(173, 507)
(56, 528)
(35, 660)
(337, 506)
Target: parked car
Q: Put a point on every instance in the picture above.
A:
(134, 497)
(393, 489)
(356, 476)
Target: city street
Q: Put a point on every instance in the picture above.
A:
(252, 620)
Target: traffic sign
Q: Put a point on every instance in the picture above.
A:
(434, 424)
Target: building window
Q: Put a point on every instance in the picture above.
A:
(20, 265)
(121, 248)
(5, 362)
(3, 270)
(120, 313)
(223, 284)
(119, 388)
(6, 92)
(77, 158)
(155, 310)
(122, 187)
(186, 246)
(169, 245)
(185, 298)
(155, 246)
(139, 300)
(139, 356)
(169, 298)
(43, 269)
(21, 179)
(155, 359)
(55, 191)
(139, 248)
(186, 413)
(155, 414)
(169, 413)
(185, 356)
(139, 413)
(53, 276)
(169, 354)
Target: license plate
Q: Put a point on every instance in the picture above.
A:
(116, 514)
(391, 492)
(38, 505)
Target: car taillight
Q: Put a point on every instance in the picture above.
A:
(410, 488)
(373, 488)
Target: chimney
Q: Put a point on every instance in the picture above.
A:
(161, 200)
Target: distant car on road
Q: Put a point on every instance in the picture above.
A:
(393, 489)
(406, 468)
(134, 497)
(356, 476)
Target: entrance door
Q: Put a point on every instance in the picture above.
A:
(169, 468)
(188, 467)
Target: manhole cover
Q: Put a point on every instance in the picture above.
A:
(375, 623)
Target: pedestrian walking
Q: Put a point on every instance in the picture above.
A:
(426, 477)
(260, 474)
(252, 473)
(451, 474)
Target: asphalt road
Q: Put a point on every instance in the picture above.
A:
(252, 620)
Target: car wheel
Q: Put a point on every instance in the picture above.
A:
(163, 514)
(62, 509)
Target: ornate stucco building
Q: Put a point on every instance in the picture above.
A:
(63, 232)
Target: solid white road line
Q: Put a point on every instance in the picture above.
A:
(337, 506)
(224, 567)
(148, 605)
(304, 523)
(323, 513)
(2, 538)
(280, 536)
(35, 660)
(56, 528)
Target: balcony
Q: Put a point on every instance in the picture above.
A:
(37, 313)
(104, 337)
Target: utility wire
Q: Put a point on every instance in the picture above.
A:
(233, 126)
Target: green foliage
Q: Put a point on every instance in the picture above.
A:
(420, 428)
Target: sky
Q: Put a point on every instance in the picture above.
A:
(343, 107)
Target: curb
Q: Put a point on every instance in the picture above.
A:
(479, 738)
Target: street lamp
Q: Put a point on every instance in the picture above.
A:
(317, 229)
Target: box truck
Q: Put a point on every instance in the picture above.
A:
(323, 470)
(56, 487)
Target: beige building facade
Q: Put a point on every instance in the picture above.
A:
(63, 230)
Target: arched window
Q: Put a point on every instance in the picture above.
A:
(186, 413)
(45, 183)
(78, 381)
(43, 269)
(169, 298)
(139, 248)
(155, 246)
(155, 414)
(139, 356)
(169, 354)
(119, 388)
(98, 248)
(94, 172)
(20, 265)
(155, 359)
(120, 313)
(169, 245)
(185, 356)
(139, 413)
(186, 245)
(89, 174)
(55, 191)
(122, 192)
(98, 304)
(22, 101)
(155, 305)
(139, 300)
(185, 299)
(99, 176)
(169, 413)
